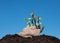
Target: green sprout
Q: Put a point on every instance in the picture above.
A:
(35, 21)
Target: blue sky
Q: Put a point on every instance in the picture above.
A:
(13, 12)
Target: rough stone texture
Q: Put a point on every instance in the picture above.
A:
(35, 39)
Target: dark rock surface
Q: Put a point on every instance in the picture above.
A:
(35, 39)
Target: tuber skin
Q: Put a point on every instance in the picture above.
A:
(29, 32)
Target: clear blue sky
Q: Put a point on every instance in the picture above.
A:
(13, 12)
